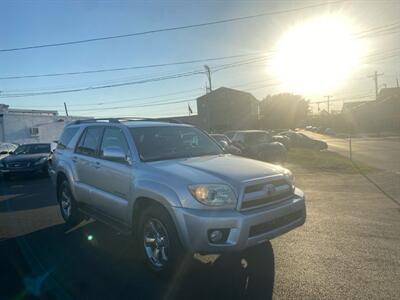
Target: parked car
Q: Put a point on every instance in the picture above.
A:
(27, 159)
(6, 149)
(226, 143)
(284, 140)
(259, 144)
(230, 134)
(140, 178)
(298, 139)
(329, 131)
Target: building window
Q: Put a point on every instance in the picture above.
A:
(34, 131)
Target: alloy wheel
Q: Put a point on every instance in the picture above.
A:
(156, 243)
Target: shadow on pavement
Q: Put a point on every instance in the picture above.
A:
(92, 262)
(22, 194)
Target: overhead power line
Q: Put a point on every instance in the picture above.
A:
(178, 75)
(141, 81)
(383, 29)
(103, 102)
(136, 106)
(127, 68)
(167, 29)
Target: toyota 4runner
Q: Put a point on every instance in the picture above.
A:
(172, 187)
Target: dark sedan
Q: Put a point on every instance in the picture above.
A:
(226, 143)
(298, 139)
(259, 144)
(28, 159)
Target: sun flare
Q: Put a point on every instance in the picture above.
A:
(316, 56)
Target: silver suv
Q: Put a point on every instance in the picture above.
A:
(172, 187)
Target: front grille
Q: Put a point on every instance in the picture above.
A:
(260, 194)
(274, 224)
(266, 200)
(18, 165)
(260, 186)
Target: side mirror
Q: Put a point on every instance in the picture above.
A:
(11, 152)
(114, 153)
(224, 144)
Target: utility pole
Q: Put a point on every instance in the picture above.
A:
(375, 77)
(66, 109)
(328, 98)
(397, 80)
(208, 73)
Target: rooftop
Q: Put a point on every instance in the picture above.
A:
(225, 90)
(5, 108)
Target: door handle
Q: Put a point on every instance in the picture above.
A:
(97, 165)
(74, 159)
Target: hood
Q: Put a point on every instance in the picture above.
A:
(219, 168)
(24, 157)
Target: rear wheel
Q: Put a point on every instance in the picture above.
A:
(68, 207)
(158, 240)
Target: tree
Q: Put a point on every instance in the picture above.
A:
(283, 111)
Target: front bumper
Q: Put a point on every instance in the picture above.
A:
(246, 229)
(30, 169)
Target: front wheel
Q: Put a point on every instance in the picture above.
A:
(68, 207)
(160, 246)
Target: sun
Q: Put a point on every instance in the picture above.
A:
(317, 56)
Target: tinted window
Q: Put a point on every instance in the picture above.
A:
(90, 140)
(169, 142)
(66, 137)
(114, 137)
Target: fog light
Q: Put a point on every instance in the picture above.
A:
(216, 236)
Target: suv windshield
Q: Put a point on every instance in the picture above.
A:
(33, 149)
(170, 142)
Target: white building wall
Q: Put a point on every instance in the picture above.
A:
(17, 127)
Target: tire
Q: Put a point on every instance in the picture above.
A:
(68, 207)
(158, 241)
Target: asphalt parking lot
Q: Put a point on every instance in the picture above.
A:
(348, 248)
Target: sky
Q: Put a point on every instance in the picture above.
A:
(26, 23)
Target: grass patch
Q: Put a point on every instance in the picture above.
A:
(326, 161)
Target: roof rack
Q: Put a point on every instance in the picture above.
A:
(95, 120)
(167, 120)
(124, 119)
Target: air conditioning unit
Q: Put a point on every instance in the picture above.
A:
(34, 131)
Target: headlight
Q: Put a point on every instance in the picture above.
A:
(214, 194)
(289, 176)
(40, 161)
